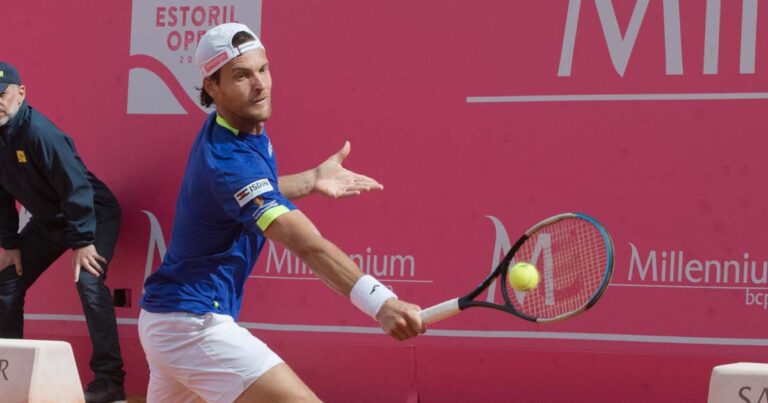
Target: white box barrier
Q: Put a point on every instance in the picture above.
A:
(740, 382)
(38, 371)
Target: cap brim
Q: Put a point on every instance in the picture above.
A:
(3, 86)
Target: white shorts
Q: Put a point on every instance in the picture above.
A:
(194, 358)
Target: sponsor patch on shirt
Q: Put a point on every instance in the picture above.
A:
(252, 190)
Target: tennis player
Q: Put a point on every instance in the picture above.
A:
(231, 201)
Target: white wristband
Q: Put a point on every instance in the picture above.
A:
(368, 295)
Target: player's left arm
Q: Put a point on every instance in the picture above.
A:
(329, 178)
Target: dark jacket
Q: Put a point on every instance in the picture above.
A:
(40, 168)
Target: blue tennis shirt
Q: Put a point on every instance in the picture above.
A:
(229, 196)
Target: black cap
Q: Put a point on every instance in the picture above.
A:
(8, 75)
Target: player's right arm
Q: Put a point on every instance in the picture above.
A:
(296, 232)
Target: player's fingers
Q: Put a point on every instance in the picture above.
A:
(396, 329)
(412, 331)
(408, 335)
(341, 154)
(415, 322)
(397, 334)
(77, 271)
(347, 193)
(408, 327)
(366, 181)
(352, 179)
(356, 186)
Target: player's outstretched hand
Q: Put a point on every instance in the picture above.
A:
(335, 181)
(400, 319)
(87, 258)
(9, 257)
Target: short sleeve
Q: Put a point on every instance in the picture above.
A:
(247, 190)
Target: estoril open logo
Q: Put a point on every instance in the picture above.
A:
(164, 34)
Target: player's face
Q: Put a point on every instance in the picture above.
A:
(10, 101)
(245, 88)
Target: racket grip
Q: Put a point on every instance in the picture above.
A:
(443, 310)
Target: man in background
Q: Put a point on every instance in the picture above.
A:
(71, 209)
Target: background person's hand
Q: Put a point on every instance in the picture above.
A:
(87, 258)
(10, 257)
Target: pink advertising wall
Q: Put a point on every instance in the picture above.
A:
(480, 118)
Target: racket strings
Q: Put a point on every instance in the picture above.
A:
(571, 256)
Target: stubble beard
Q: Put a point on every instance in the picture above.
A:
(9, 114)
(11, 110)
(260, 115)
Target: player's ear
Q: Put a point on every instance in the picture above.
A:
(211, 86)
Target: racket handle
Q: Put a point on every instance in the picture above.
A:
(443, 310)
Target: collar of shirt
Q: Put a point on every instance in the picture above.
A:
(223, 123)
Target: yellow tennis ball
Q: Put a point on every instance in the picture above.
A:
(523, 276)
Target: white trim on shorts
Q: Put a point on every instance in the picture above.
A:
(192, 356)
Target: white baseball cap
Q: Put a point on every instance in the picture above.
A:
(215, 48)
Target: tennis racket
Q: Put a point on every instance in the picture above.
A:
(574, 255)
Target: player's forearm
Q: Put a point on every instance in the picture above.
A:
(298, 185)
(297, 233)
(332, 266)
